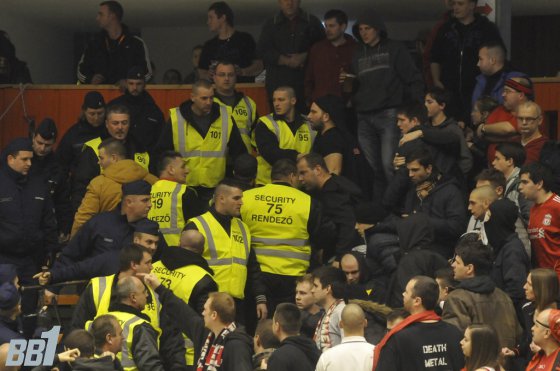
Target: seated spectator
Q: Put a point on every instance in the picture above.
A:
(481, 348)
(354, 352)
(195, 58)
(476, 299)
(264, 344)
(296, 352)
(546, 335)
(311, 313)
(10, 309)
(529, 118)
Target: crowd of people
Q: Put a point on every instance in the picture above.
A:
(381, 217)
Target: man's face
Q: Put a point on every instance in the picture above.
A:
(512, 98)
(528, 120)
(408, 300)
(103, 17)
(316, 117)
(443, 290)
(117, 125)
(141, 294)
(369, 34)
(196, 57)
(501, 164)
(304, 297)
(485, 62)
(460, 270)
(432, 106)
(333, 30)
(351, 269)
(179, 170)
(105, 160)
(95, 116)
(116, 341)
(282, 102)
(149, 241)
(307, 176)
(289, 7)
(418, 173)
(225, 77)
(202, 100)
(214, 23)
(319, 292)
(42, 146)
(233, 201)
(208, 314)
(21, 162)
(463, 9)
(540, 329)
(135, 87)
(406, 124)
(145, 265)
(477, 206)
(138, 206)
(528, 188)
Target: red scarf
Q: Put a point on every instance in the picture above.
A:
(428, 315)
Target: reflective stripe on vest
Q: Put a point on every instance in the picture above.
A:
(212, 246)
(127, 361)
(168, 211)
(141, 158)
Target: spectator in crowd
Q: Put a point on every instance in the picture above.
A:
(476, 299)
(529, 118)
(204, 133)
(429, 43)
(311, 313)
(113, 51)
(12, 70)
(328, 57)
(482, 108)
(192, 77)
(283, 45)
(283, 134)
(88, 127)
(172, 77)
(494, 71)
(447, 283)
(10, 309)
(229, 44)
(386, 78)
(354, 352)
(328, 332)
(104, 192)
(535, 183)
(295, 352)
(422, 330)
(243, 108)
(481, 348)
(245, 171)
(264, 344)
(173, 203)
(546, 335)
(395, 317)
(454, 55)
(146, 118)
(480, 200)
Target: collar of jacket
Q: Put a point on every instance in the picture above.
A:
(120, 307)
(177, 257)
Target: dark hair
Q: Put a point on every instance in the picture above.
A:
(114, 7)
(447, 276)
(477, 254)
(497, 46)
(485, 348)
(82, 340)
(117, 108)
(221, 8)
(245, 167)
(101, 326)
(427, 289)
(132, 253)
(397, 313)
(265, 334)
(201, 83)
(512, 150)
(329, 275)
(538, 172)
(341, 17)
(495, 177)
(545, 287)
(414, 110)
(313, 160)
(224, 305)
(422, 155)
(282, 169)
(167, 75)
(288, 317)
(486, 104)
(225, 62)
(229, 182)
(441, 96)
(113, 147)
(165, 159)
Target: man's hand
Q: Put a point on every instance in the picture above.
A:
(410, 137)
(49, 296)
(43, 277)
(398, 161)
(63, 238)
(262, 311)
(97, 79)
(69, 355)
(506, 352)
(479, 132)
(150, 279)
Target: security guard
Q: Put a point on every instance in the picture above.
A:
(228, 247)
(284, 134)
(184, 271)
(204, 133)
(243, 108)
(172, 201)
(282, 221)
(117, 124)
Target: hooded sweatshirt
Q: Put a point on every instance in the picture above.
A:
(386, 74)
(296, 353)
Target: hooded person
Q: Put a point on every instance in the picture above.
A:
(12, 70)
(511, 263)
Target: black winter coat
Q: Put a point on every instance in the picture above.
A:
(296, 353)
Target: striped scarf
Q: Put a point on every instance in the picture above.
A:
(321, 336)
(211, 356)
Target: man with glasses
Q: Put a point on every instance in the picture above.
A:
(529, 119)
(546, 335)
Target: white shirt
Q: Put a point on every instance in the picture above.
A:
(353, 353)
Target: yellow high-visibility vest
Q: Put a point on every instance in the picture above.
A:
(244, 114)
(141, 158)
(167, 209)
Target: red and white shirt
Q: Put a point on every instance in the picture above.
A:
(544, 233)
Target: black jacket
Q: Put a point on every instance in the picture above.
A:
(27, 221)
(9, 330)
(295, 353)
(70, 147)
(113, 58)
(268, 144)
(96, 364)
(146, 119)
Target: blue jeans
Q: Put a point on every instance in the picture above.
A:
(378, 136)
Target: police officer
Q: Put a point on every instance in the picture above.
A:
(243, 108)
(204, 133)
(185, 272)
(117, 124)
(282, 221)
(228, 247)
(27, 221)
(173, 202)
(146, 119)
(282, 134)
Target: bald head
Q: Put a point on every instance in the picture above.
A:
(353, 320)
(485, 193)
(480, 200)
(192, 240)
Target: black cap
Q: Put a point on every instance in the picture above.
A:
(138, 187)
(147, 226)
(9, 296)
(47, 129)
(332, 105)
(93, 99)
(136, 73)
(18, 144)
(245, 167)
(7, 273)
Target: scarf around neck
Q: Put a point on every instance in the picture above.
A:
(211, 355)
